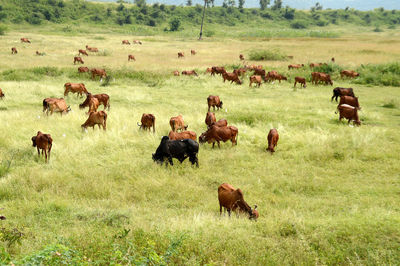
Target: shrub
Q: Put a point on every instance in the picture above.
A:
(57, 254)
(267, 55)
(209, 33)
(174, 24)
(377, 29)
(329, 68)
(300, 24)
(382, 74)
(3, 30)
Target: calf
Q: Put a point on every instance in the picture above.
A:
(96, 118)
(92, 102)
(179, 149)
(352, 101)
(148, 121)
(192, 52)
(349, 112)
(82, 52)
(78, 59)
(260, 72)
(300, 80)
(39, 54)
(137, 42)
(43, 142)
(98, 72)
(78, 88)
(255, 79)
(231, 199)
(297, 66)
(176, 73)
(349, 74)
(131, 57)
(240, 71)
(338, 91)
(325, 78)
(126, 42)
(181, 55)
(210, 119)
(312, 65)
(189, 73)
(14, 50)
(214, 101)
(182, 135)
(83, 69)
(217, 134)
(208, 70)
(1, 94)
(273, 138)
(55, 105)
(177, 123)
(241, 57)
(92, 49)
(25, 40)
(218, 70)
(232, 77)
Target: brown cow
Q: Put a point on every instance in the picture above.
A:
(39, 54)
(273, 138)
(83, 52)
(240, 71)
(98, 72)
(333, 60)
(208, 70)
(315, 77)
(217, 134)
(231, 199)
(260, 72)
(177, 123)
(349, 112)
(189, 73)
(325, 78)
(75, 88)
(210, 119)
(92, 102)
(43, 142)
(92, 49)
(352, 101)
(349, 74)
(25, 40)
(137, 42)
(78, 59)
(176, 73)
(296, 66)
(126, 42)
(232, 77)
(83, 69)
(241, 57)
(300, 80)
(131, 57)
(55, 105)
(182, 135)
(1, 94)
(338, 91)
(181, 54)
(312, 65)
(214, 101)
(220, 123)
(148, 121)
(192, 52)
(96, 118)
(255, 79)
(218, 70)
(273, 75)
(14, 50)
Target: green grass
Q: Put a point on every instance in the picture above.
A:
(267, 55)
(328, 195)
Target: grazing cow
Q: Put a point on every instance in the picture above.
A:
(338, 91)
(296, 66)
(232, 77)
(312, 65)
(78, 59)
(214, 101)
(14, 50)
(255, 79)
(96, 118)
(98, 72)
(218, 70)
(325, 78)
(55, 105)
(92, 102)
(176, 73)
(148, 121)
(349, 112)
(231, 199)
(217, 134)
(131, 57)
(300, 80)
(39, 54)
(43, 142)
(182, 135)
(83, 69)
(177, 123)
(260, 72)
(240, 71)
(92, 49)
(241, 57)
(75, 88)
(192, 52)
(25, 40)
(137, 42)
(220, 123)
(1, 94)
(83, 52)
(181, 54)
(273, 75)
(273, 138)
(210, 119)
(126, 42)
(208, 70)
(349, 74)
(189, 73)
(179, 149)
(352, 101)
(315, 77)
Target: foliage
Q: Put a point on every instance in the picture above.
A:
(299, 24)
(174, 24)
(56, 254)
(267, 55)
(379, 74)
(10, 236)
(3, 29)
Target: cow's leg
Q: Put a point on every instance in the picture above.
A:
(295, 84)
(229, 212)
(213, 145)
(38, 151)
(45, 155)
(219, 147)
(170, 160)
(220, 209)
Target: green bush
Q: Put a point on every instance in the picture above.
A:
(330, 68)
(57, 254)
(267, 55)
(380, 74)
(3, 30)
(174, 24)
(300, 24)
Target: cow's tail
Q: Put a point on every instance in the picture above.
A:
(45, 105)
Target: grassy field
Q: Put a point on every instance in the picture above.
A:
(329, 195)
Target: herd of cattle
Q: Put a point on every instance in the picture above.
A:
(181, 143)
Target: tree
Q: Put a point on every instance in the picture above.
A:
(241, 4)
(174, 24)
(140, 2)
(318, 6)
(202, 19)
(189, 2)
(277, 4)
(264, 4)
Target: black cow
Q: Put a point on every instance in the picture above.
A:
(337, 92)
(179, 149)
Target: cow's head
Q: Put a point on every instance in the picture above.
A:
(69, 109)
(34, 141)
(254, 214)
(203, 137)
(220, 104)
